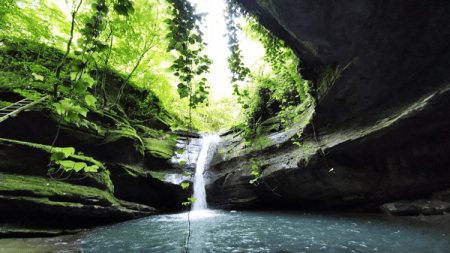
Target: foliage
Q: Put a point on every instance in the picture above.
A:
(59, 156)
(274, 89)
(185, 38)
(141, 61)
(30, 94)
(218, 114)
(105, 41)
(190, 200)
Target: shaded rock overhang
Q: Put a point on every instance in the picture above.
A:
(387, 53)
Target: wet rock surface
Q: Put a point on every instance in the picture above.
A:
(350, 166)
(143, 188)
(417, 207)
(379, 132)
(34, 204)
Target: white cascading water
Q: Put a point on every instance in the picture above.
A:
(209, 143)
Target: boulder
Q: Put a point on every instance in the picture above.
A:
(34, 202)
(417, 207)
(41, 203)
(442, 195)
(141, 187)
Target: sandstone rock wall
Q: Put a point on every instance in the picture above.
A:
(34, 204)
(381, 123)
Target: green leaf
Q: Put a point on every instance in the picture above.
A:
(58, 156)
(183, 163)
(79, 166)
(187, 175)
(73, 75)
(66, 165)
(92, 168)
(192, 199)
(186, 203)
(174, 136)
(67, 106)
(66, 151)
(90, 100)
(297, 143)
(38, 77)
(80, 42)
(51, 170)
(240, 126)
(184, 186)
(88, 80)
(255, 167)
(180, 151)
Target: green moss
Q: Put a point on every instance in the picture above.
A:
(134, 170)
(130, 173)
(263, 142)
(6, 163)
(326, 75)
(125, 131)
(43, 188)
(148, 132)
(84, 134)
(44, 201)
(160, 148)
(103, 178)
(115, 117)
(16, 228)
(4, 104)
(159, 175)
(265, 129)
(54, 150)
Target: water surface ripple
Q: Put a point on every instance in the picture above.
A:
(224, 231)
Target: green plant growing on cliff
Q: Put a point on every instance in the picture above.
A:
(276, 82)
(255, 169)
(185, 38)
(60, 158)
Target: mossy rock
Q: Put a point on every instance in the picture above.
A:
(159, 175)
(25, 158)
(47, 189)
(326, 76)
(47, 203)
(160, 148)
(21, 231)
(148, 132)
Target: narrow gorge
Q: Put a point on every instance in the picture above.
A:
(117, 132)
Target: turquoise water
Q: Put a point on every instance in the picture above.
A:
(224, 231)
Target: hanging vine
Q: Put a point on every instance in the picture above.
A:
(185, 38)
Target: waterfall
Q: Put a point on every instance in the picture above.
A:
(210, 142)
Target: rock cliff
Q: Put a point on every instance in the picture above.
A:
(379, 131)
(132, 160)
